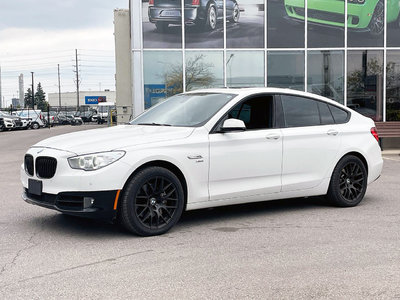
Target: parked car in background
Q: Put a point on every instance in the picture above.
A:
(204, 149)
(13, 122)
(86, 116)
(102, 110)
(35, 117)
(69, 119)
(205, 13)
(53, 118)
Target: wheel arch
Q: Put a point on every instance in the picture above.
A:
(358, 155)
(167, 165)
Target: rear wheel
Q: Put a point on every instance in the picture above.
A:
(211, 18)
(152, 202)
(348, 182)
(235, 14)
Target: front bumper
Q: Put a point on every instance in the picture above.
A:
(99, 205)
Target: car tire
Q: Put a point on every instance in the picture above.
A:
(235, 15)
(152, 202)
(348, 182)
(162, 26)
(1, 128)
(211, 19)
(35, 125)
(377, 23)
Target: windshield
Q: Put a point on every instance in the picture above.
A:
(188, 110)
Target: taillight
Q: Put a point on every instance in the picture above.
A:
(195, 2)
(151, 2)
(374, 132)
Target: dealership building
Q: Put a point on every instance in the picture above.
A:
(348, 50)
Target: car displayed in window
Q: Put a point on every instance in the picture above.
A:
(204, 149)
(205, 13)
(366, 15)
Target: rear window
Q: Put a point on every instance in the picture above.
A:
(325, 114)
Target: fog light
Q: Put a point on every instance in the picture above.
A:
(87, 202)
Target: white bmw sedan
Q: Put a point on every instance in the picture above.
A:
(204, 149)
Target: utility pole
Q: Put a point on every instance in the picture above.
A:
(77, 79)
(33, 93)
(59, 88)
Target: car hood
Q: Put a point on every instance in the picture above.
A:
(113, 138)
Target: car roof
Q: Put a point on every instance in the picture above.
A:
(242, 92)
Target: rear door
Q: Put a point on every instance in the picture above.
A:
(311, 141)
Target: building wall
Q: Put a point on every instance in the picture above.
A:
(346, 50)
(123, 65)
(69, 98)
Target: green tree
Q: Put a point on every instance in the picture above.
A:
(40, 98)
(28, 98)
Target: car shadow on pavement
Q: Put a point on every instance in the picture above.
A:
(61, 224)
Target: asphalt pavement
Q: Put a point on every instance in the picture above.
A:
(289, 249)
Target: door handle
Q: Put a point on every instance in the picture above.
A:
(273, 136)
(332, 132)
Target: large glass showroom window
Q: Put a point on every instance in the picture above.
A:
(245, 68)
(286, 69)
(365, 82)
(393, 86)
(162, 75)
(326, 74)
(204, 69)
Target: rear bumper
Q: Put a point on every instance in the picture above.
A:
(172, 15)
(98, 205)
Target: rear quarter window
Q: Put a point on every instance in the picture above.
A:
(340, 115)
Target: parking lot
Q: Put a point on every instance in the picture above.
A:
(289, 249)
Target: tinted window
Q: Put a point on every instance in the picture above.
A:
(255, 112)
(339, 115)
(325, 114)
(300, 111)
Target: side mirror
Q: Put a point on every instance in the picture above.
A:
(231, 125)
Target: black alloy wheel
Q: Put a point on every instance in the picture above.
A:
(348, 182)
(376, 25)
(351, 182)
(153, 202)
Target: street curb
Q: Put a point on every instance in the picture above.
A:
(391, 152)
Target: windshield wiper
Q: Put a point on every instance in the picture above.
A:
(154, 124)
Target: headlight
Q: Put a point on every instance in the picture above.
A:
(94, 161)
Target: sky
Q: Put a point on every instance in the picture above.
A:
(36, 35)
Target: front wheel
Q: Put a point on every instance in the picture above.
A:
(376, 25)
(348, 182)
(152, 202)
(35, 125)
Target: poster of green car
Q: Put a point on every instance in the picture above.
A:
(365, 18)
(364, 15)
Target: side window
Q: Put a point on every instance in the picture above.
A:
(339, 115)
(325, 114)
(300, 111)
(256, 113)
